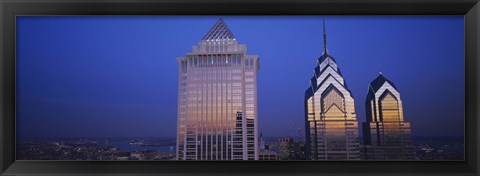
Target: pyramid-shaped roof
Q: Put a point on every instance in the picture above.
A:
(379, 81)
(325, 56)
(219, 31)
(376, 84)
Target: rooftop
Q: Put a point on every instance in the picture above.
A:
(219, 31)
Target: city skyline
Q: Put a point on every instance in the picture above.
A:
(83, 101)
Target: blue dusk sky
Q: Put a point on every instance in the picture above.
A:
(116, 76)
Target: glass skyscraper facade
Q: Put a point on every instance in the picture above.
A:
(331, 123)
(386, 134)
(217, 99)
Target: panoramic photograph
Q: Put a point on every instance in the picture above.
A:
(318, 88)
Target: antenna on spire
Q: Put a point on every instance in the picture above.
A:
(324, 37)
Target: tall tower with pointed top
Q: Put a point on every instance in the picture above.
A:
(217, 99)
(386, 135)
(331, 123)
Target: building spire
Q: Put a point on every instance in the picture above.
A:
(324, 38)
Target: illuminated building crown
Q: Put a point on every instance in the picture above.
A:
(219, 32)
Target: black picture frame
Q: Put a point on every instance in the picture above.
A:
(9, 9)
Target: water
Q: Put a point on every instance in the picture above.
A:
(126, 146)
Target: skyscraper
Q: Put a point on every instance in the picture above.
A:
(386, 134)
(331, 124)
(217, 99)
